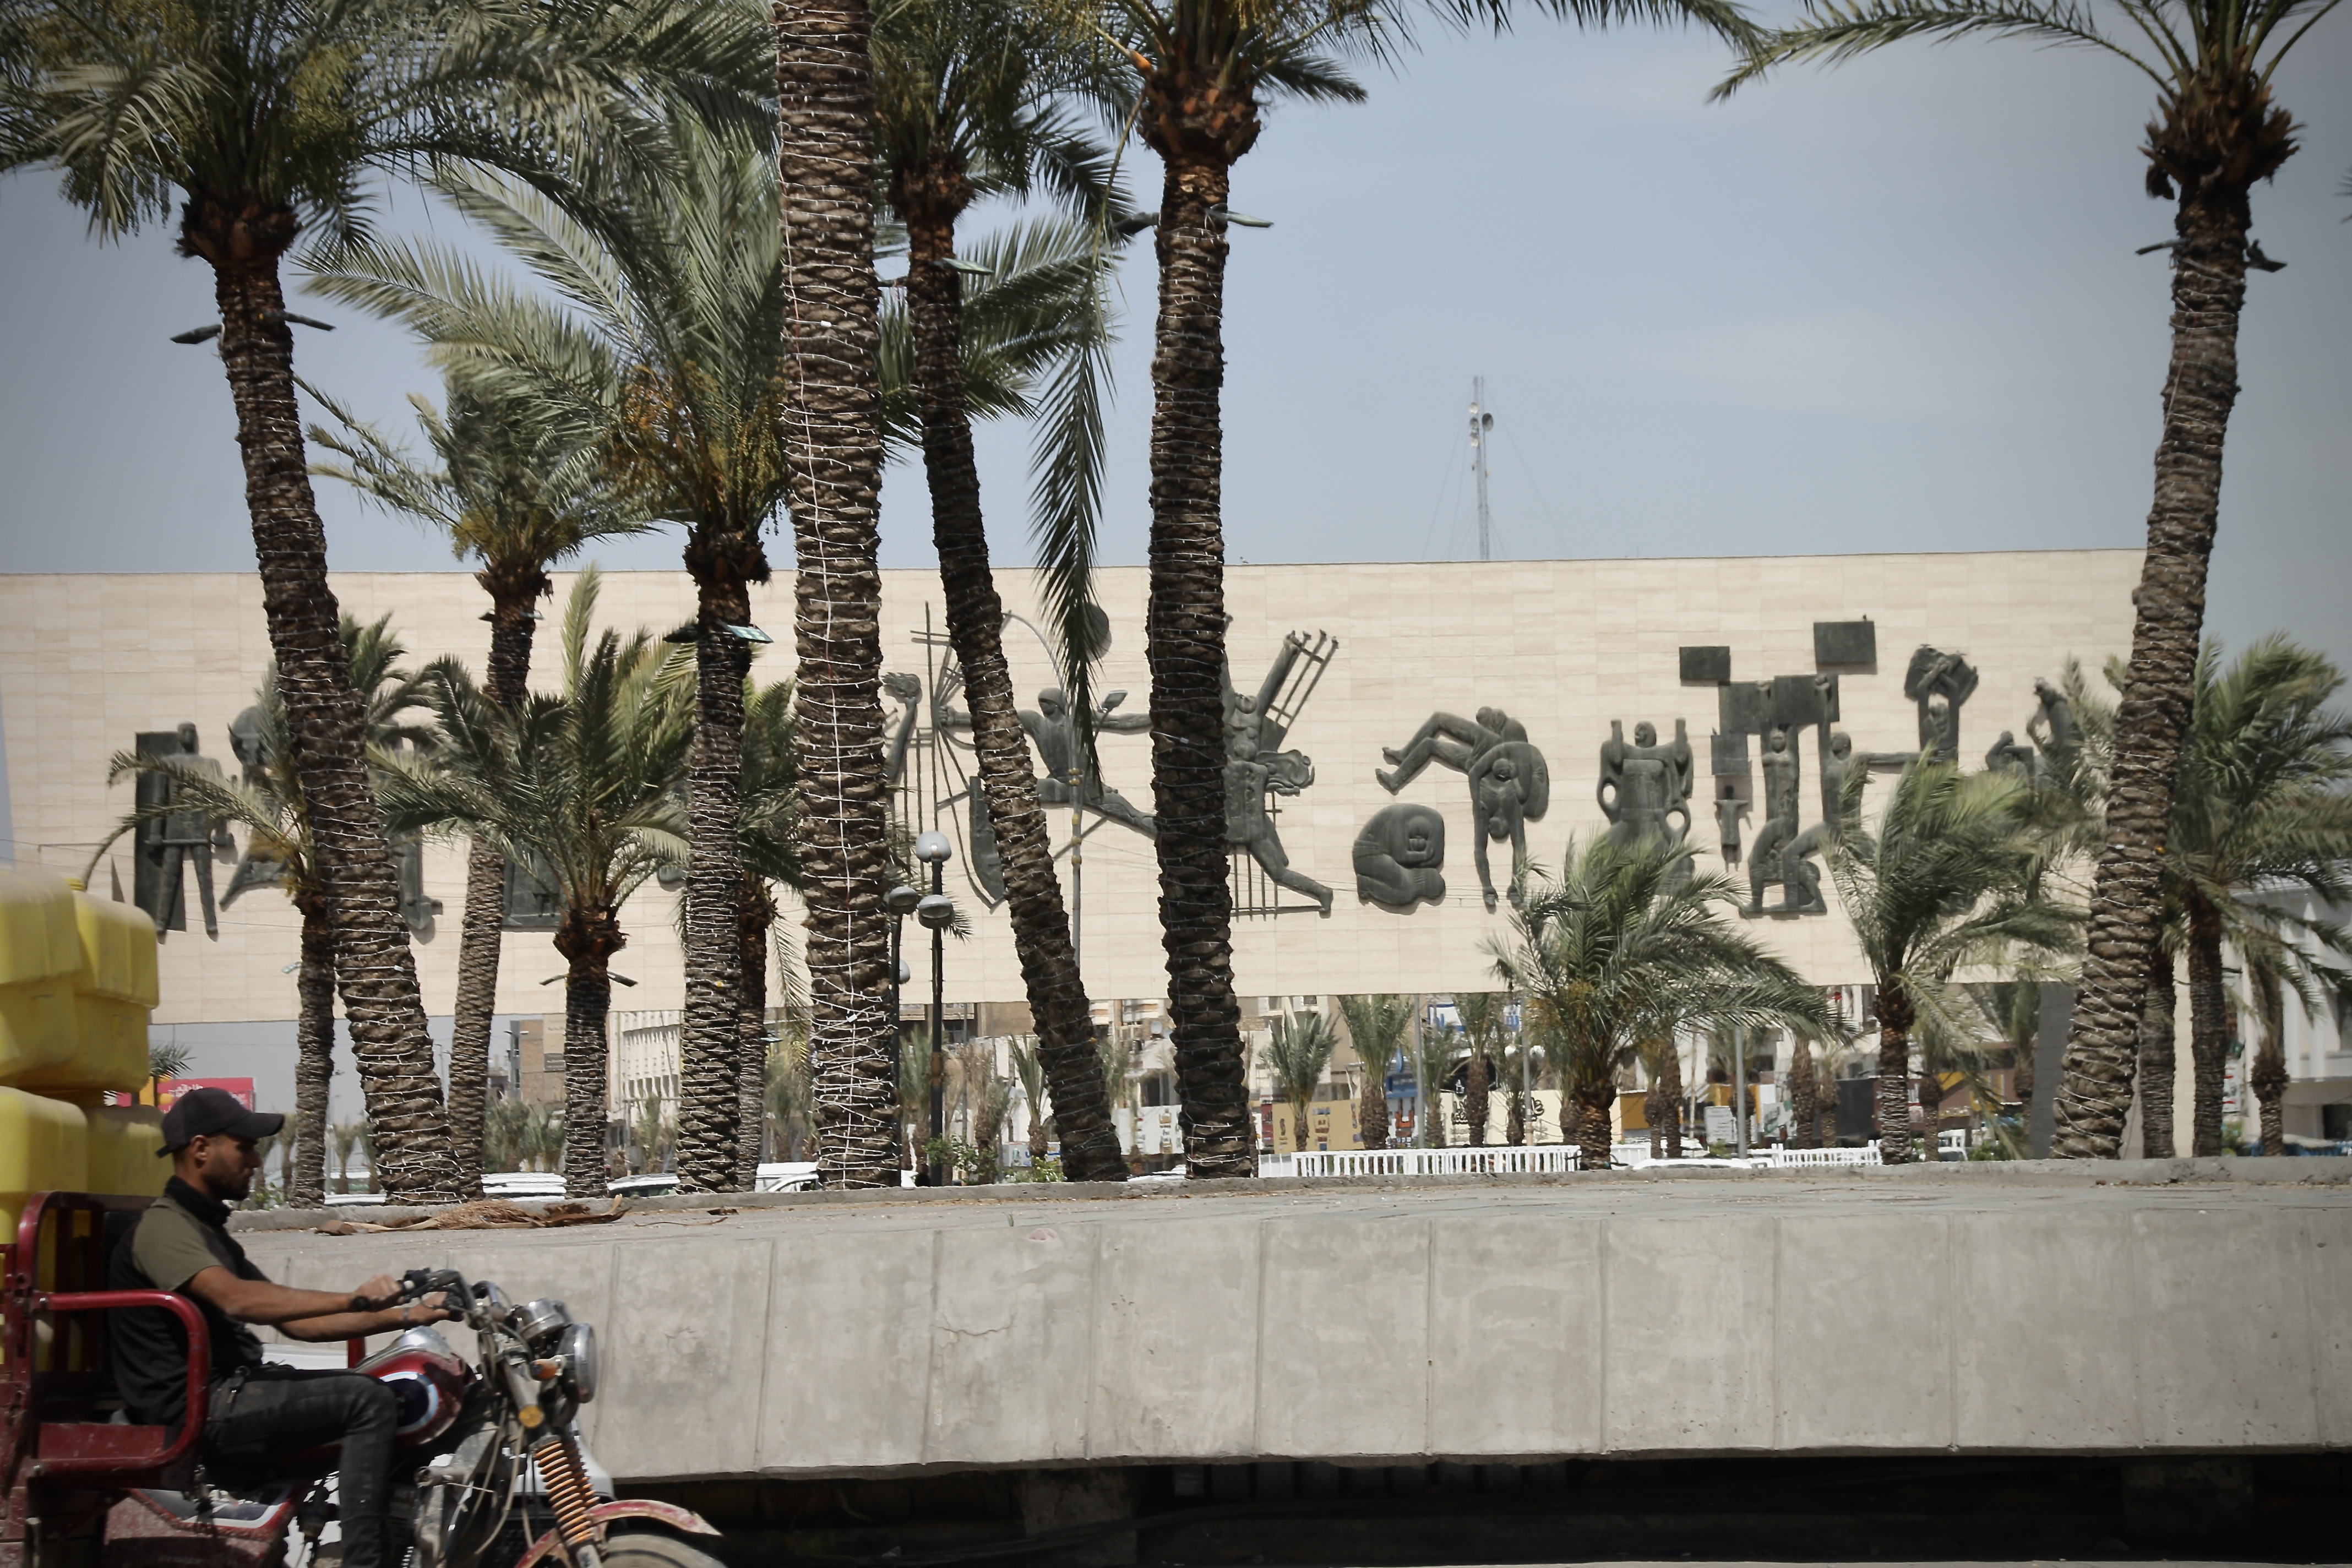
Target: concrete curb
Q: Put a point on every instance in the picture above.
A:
(2300, 1171)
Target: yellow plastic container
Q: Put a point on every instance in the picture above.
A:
(113, 990)
(44, 1148)
(124, 1143)
(41, 953)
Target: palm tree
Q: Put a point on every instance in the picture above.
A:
(1628, 945)
(653, 1133)
(965, 96)
(269, 119)
(2264, 801)
(348, 1136)
(1804, 1098)
(1661, 1108)
(2217, 133)
(788, 1101)
(1437, 1058)
(768, 829)
(832, 436)
(664, 366)
(912, 1109)
(586, 782)
(1030, 1068)
(281, 847)
(1204, 71)
(514, 502)
(1484, 1015)
(1951, 880)
(1377, 1025)
(1297, 1049)
(1203, 68)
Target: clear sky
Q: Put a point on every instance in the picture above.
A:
(1894, 306)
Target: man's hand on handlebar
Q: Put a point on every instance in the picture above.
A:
(385, 1294)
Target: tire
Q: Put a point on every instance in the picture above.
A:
(652, 1548)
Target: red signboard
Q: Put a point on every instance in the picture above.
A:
(240, 1087)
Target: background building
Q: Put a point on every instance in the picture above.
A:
(1352, 661)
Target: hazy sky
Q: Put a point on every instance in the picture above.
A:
(1894, 307)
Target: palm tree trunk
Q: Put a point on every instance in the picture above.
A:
(724, 561)
(2209, 288)
(1894, 1074)
(2209, 1028)
(2156, 1066)
(1185, 637)
(1931, 1112)
(588, 944)
(1671, 1085)
(314, 1058)
(1592, 1124)
(833, 441)
(1476, 1096)
(1041, 925)
(1372, 1112)
(374, 964)
(754, 921)
(1515, 1119)
(1804, 1100)
(2268, 1081)
(512, 596)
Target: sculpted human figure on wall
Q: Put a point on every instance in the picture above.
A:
(1053, 729)
(1400, 855)
(1940, 683)
(168, 848)
(1256, 767)
(1645, 786)
(1510, 785)
(1777, 859)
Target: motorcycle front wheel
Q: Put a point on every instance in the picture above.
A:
(653, 1549)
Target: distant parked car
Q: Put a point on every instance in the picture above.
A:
(651, 1186)
(787, 1177)
(513, 1185)
(346, 1200)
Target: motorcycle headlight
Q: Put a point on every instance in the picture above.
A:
(577, 1350)
(537, 1323)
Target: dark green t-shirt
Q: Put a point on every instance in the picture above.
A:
(182, 1234)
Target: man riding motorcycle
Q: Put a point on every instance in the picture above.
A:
(259, 1413)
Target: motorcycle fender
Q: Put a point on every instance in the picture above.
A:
(682, 1519)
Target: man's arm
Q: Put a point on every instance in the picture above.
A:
(373, 1308)
(359, 1325)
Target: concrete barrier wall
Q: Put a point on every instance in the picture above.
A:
(1578, 1318)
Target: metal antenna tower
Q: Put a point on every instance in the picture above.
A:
(1481, 421)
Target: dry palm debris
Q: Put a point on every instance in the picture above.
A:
(487, 1213)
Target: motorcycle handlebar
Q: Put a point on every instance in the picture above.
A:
(418, 1283)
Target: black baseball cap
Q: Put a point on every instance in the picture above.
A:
(213, 1112)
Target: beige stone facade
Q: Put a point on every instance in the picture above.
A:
(1564, 646)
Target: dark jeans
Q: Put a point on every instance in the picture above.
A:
(278, 1411)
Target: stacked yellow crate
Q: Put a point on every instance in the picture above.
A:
(76, 982)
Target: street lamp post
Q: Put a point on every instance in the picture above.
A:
(936, 910)
(901, 901)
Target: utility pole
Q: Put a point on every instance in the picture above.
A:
(1481, 421)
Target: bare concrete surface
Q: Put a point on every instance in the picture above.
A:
(2051, 1307)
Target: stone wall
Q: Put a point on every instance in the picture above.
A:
(1565, 648)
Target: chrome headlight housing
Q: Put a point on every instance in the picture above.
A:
(538, 1323)
(577, 1350)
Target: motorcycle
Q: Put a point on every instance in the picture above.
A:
(475, 1436)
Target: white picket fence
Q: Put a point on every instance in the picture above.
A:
(1783, 1158)
(1421, 1161)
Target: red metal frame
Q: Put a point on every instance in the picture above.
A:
(67, 1457)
